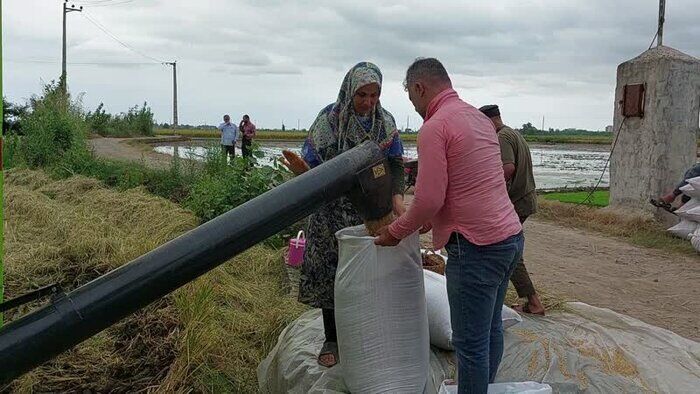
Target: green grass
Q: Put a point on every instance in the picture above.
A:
(599, 198)
(569, 139)
(637, 230)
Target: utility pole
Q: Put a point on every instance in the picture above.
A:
(66, 10)
(174, 64)
(298, 124)
(543, 123)
(662, 13)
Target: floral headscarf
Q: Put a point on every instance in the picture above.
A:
(337, 127)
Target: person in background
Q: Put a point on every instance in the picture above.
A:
(247, 129)
(355, 117)
(461, 193)
(229, 135)
(520, 181)
(669, 198)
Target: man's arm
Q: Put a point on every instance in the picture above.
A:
(431, 185)
(508, 171)
(507, 157)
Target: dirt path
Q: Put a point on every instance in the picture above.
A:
(120, 149)
(648, 284)
(651, 285)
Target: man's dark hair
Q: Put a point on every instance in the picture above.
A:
(246, 116)
(226, 116)
(426, 68)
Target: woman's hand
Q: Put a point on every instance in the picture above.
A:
(294, 163)
(399, 208)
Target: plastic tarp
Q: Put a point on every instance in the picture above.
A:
(684, 229)
(690, 191)
(439, 311)
(585, 349)
(690, 210)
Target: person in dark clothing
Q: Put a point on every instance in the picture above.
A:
(517, 169)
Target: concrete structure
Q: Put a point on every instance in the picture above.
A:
(653, 151)
(609, 129)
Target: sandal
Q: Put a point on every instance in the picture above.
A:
(525, 308)
(663, 205)
(328, 349)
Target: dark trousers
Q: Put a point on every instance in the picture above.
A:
(329, 325)
(229, 150)
(246, 147)
(520, 277)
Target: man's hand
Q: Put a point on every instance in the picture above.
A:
(426, 227)
(384, 238)
(668, 198)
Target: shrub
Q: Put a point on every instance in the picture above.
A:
(54, 127)
(137, 121)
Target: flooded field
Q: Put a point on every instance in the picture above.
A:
(555, 166)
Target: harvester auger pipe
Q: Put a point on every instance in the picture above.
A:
(71, 318)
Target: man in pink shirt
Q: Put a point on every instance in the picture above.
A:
(247, 129)
(461, 193)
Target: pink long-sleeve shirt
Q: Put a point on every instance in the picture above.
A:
(460, 185)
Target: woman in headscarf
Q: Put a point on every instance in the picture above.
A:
(355, 117)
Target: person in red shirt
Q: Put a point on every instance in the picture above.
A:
(247, 129)
(461, 193)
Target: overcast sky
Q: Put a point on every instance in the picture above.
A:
(284, 60)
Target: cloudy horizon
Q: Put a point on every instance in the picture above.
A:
(284, 61)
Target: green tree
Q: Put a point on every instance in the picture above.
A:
(528, 128)
(12, 113)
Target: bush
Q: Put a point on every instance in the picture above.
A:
(99, 121)
(138, 121)
(223, 187)
(10, 151)
(54, 127)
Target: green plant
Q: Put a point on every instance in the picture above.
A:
(99, 121)
(54, 126)
(137, 121)
(12, 113)
(599, 198)
(223, 186)
(10, 151)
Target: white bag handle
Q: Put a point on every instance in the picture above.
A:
(300, 234)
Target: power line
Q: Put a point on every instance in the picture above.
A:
(115, 38)
(105, 3)
(78, 63)
(612, 149)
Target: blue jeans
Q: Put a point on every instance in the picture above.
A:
(477, 279)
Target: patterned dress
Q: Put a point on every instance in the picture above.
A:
(338, 129)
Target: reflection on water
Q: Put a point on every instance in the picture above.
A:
(554, 166)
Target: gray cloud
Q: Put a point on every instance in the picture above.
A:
(283, 60)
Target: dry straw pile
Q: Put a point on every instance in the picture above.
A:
(207, 336)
